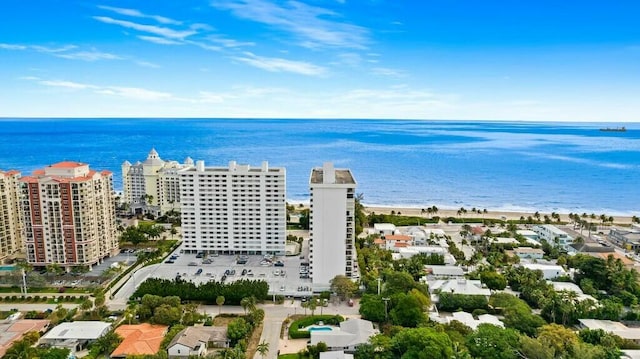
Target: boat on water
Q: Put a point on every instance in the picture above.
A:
(614, 129)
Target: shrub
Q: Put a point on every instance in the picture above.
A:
(478, 312)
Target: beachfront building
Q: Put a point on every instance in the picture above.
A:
(69, 216)
(627, 238)
(332, 225)
(236, 209)
(549, 271)
(553, 235)
(10, 222)
(152, 186)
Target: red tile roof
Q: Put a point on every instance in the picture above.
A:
(397, 237)
(67, 164)
(139, 339)
(14, 331)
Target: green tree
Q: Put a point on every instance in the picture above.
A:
(220, 303)
(372, 308)
(166, 314)
(263, 348)
(408, 311)
(107, 343)
(559, 338)
(344, 287)
(237, 329)
(421, 343)
(493, 280)
(133, 235)
(492, 342)
(248, 304)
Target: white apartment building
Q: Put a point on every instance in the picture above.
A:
(156, 178)
(332, 225)
(553, 235)
(69, 217)
(233, 210)
(10, 222)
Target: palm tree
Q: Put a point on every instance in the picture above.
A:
(173, 232)
(219, 302)
(263, 348)
(248, 303)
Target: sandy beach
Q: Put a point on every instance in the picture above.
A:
(405, 211)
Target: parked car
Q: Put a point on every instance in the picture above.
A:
(169, 261)
(199, 271)
(279, 264)
(207, 261)
(192, 264)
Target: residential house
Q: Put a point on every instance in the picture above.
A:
(571, 287)
(527, 253)
(353, 332)
(338, 354)
(194, 341)
(617, 328)
(553, 235)
(468, 319)
(528, 234)
(443, 272)
(13, 330)
(457, 286)
(628, 238)
(75, 336)
(139, 339)
(384, 229)
(549, 271)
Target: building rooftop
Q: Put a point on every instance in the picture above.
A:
(616, 328)
(528, 250)
(11, 331)
(139, 339)
(352, 332)
(67, 164)
(339, 354)
(340, 176)
(460, 286)
(192, 337)
(398, 237)
(468, 319)
(444, 270)
(89, 330)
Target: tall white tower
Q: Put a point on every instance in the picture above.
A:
(332, 225)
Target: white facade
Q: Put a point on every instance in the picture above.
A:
(68, 213)
(549, 271)
(233, 210)
(332, 225)
(156, 178)
(553, 235)
(10, 221)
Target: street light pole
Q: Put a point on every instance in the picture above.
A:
(379, 280)
(386, 300)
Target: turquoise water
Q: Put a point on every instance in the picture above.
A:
(7, 268)
(561, 167)
(319, 329)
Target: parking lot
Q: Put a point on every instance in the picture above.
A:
(283, 280)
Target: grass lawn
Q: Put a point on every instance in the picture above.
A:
(291, 356)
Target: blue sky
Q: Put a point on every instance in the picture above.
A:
(433, 59)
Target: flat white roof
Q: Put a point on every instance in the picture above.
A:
(384, 226)
(527, 232)
(502, 240)
(542, 267)
(78, 330)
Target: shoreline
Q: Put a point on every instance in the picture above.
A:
(498, 214)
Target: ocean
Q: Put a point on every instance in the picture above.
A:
(510, 166)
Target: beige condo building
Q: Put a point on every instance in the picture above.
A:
(153, 186)
(10, 222)
(69, 217)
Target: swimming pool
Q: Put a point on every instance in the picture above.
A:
(318, 328)
(7, 268)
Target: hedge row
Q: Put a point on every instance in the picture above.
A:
(37, 298)
(296, 333)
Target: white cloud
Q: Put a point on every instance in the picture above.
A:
(350, 58)
(159, 40)
(312, 26)
(66, 84)
(135, 93)
(147, 64)
(385, 71)
(12, 47)
(53, 50)
(229, 42)
(92, 55)
(274, 64)
(152, 29)
(137, 13)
